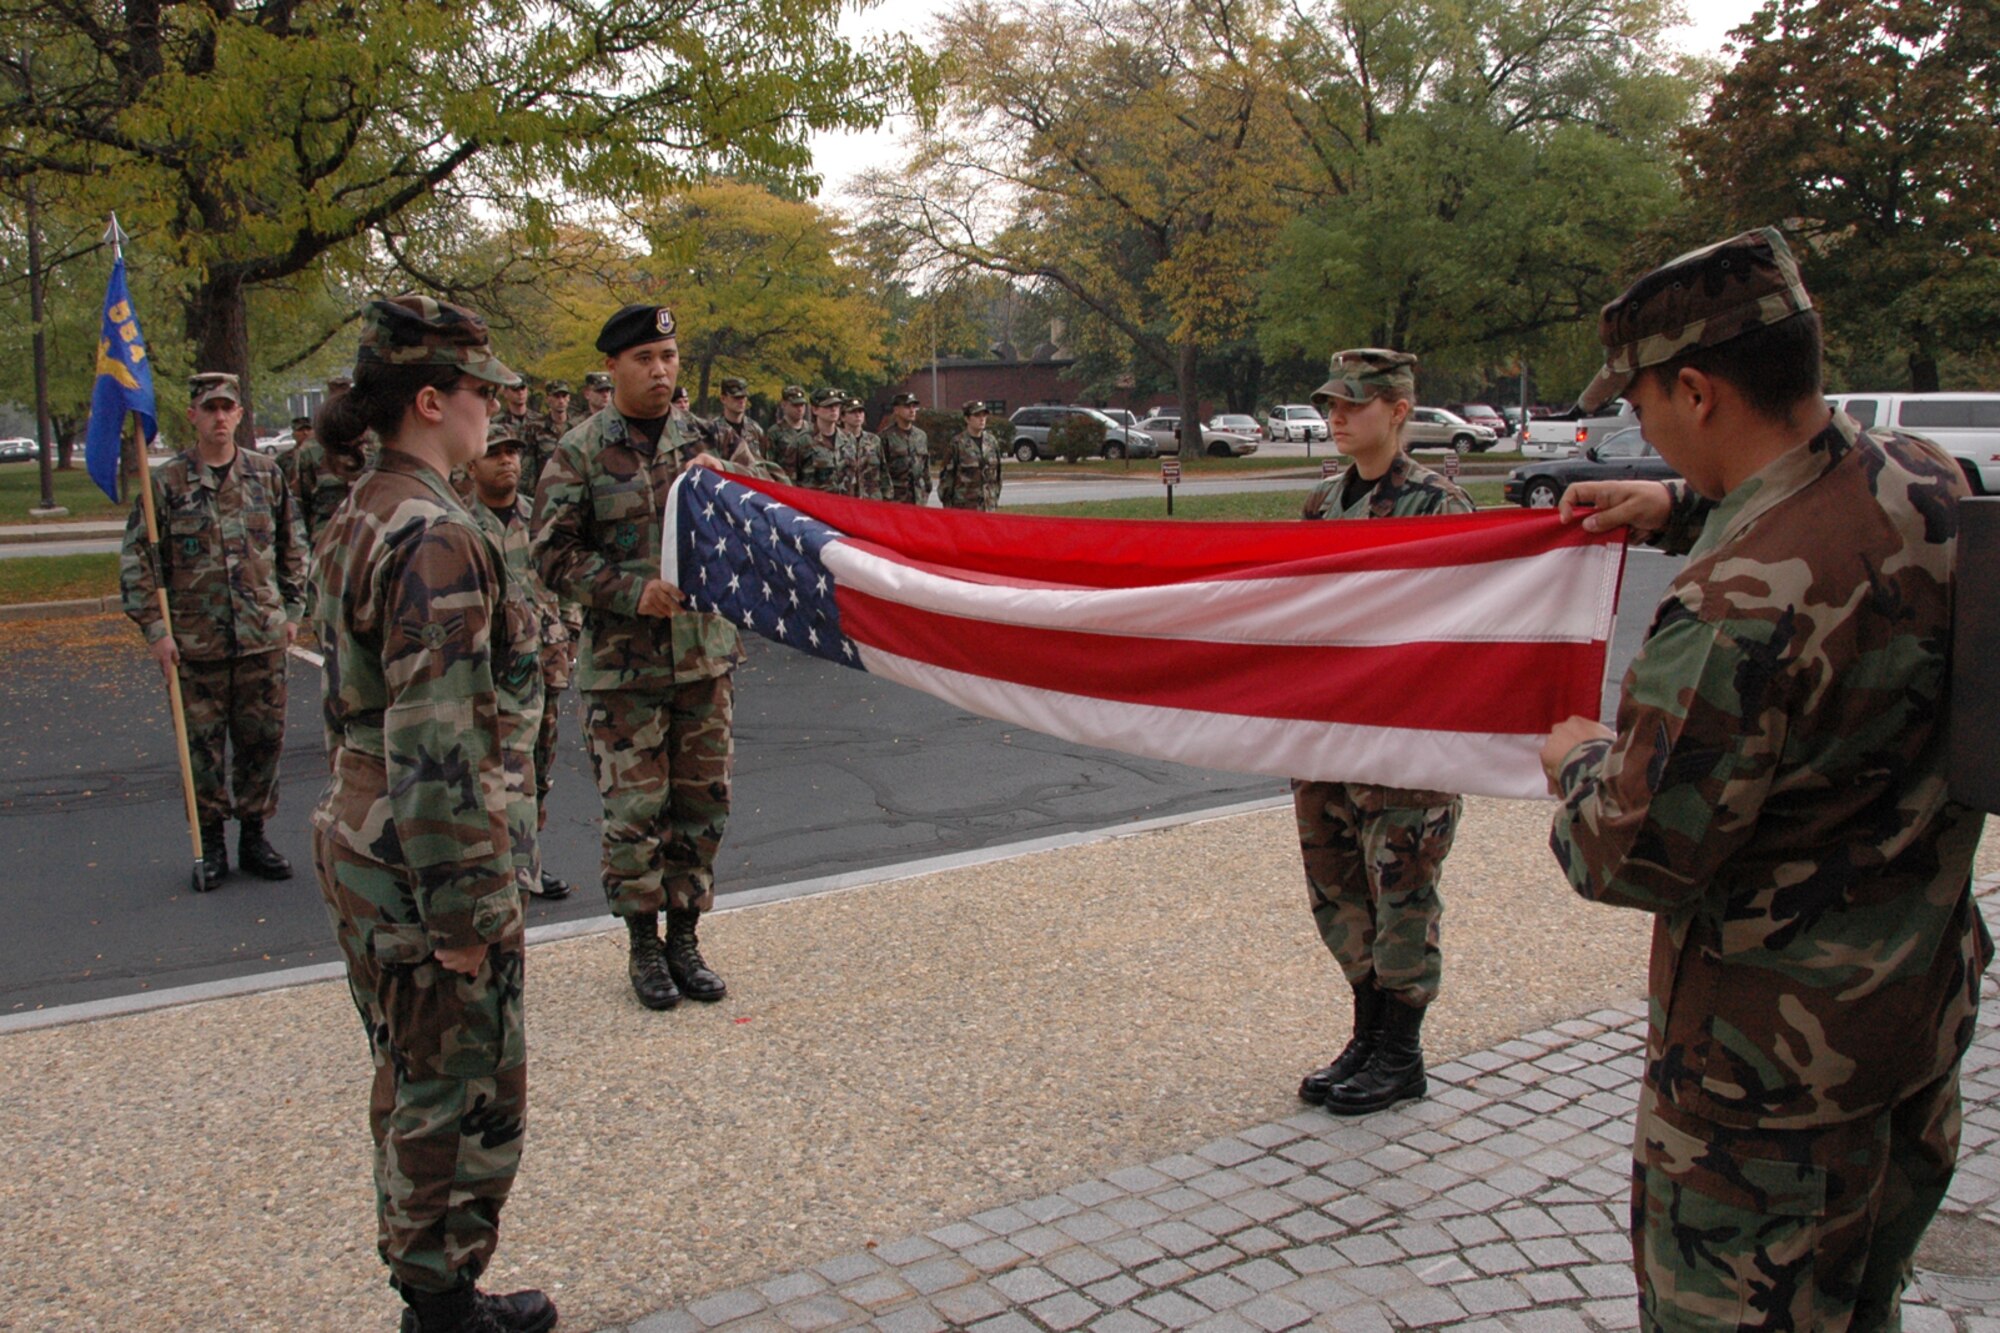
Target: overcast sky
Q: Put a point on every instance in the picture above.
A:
(841, 157)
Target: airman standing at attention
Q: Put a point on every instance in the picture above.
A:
(288, 461)
(555, 423)
(734, 427)
(819, 460)
(1373, 855)
(969, 466)
(906, 452)
(320, 482)
(655, 676)
(232, 557)
(1774, 796)
(506, 515)
(596, 393)
(791, 435)
(859, 465)
(430, 684)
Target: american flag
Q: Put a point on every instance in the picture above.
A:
(1424, 652)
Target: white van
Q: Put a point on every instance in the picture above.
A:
(1967, 425)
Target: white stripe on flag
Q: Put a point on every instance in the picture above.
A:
(1472, 763)
(1560, 596)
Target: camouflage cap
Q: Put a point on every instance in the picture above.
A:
(635, 326)
(734, 385)
(1361, 373)
(904, 400)
(597, 379)
(501, 434)
(795, 393)
(417, 330)
(977, 407)
(1704, 297)
(556, 388)
(301, 423)
(210, 385)
(828, 396)
(852, 404)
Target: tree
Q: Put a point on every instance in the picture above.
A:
(1479, 172)
(248, 144)
(1869, 130)
(1115, 156)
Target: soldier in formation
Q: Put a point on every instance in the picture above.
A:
(320, 482)
(906, 452)
(734, 428)
(232, 558)
(1774, 795)
(506, 513)
(859, 466)
(432, 688)
(968, 467)
(655, 676)
(596, 393)
(1373, 854)
(791, 435)
(815, 461)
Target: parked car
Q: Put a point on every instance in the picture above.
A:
(1621, 456)
(20, 449)
(1028, 433)
(1124, 416)
(1237, 423)
(1166, 433)
(1966, 425)
(1295, 421)
(1479, 414)
(1435, 428)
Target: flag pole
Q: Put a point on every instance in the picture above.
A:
(115, 235)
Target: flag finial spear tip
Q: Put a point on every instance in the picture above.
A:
(115, 236)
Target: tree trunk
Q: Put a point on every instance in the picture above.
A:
(1923, 368)
(65, 441)
(1190, 400)
(218, 328)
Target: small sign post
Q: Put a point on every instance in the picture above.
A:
(1327, 467)
(1451, 466)
(1170, 475)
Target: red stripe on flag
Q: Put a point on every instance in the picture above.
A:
(1128, 553)
(1504, 687)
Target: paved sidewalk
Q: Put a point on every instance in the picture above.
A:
(1499, 1202)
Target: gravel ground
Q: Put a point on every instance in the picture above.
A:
(889, 1059)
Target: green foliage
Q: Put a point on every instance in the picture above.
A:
(938, 425)
(1869, 129)
(1077, 437)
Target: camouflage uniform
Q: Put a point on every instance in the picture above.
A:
(537, 441)
(968, 472)
(320, 484)
(657, 692)
(1374, 855)
(432, 692)
(859, 465)
(908, 455)
(510, 531)
(233, 556)
(1775, 796)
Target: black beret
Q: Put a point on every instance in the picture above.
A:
(634, 325)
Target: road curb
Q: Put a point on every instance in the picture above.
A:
(87, 606)
(86, 530)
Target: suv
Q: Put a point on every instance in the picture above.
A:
(1433, 428)
(1028, 433)
(1295, 421)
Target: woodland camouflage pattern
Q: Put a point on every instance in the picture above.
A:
(859, 465)
(726, 437)
(909, 461)
(237, 706)
(509, 531)
(1775, 796)
(320, 482)
(1361, 373)
(787, 446)
(968, 472)
(231, 552)
(433, 692)
(1374, 855)
(662, 762)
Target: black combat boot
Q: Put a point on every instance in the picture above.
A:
(469, 1310)
(550, 887)
(651, 981)
(1394, 1070)
(256, 856)
(214, 863)
(695, 977)
(1368, 1006)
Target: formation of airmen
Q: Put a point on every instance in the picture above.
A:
(1773, 792)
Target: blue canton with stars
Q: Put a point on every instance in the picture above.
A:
(756, 562)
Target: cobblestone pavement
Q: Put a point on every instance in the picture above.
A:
(1496, 1203)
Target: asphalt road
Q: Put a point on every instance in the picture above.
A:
(835, 772)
